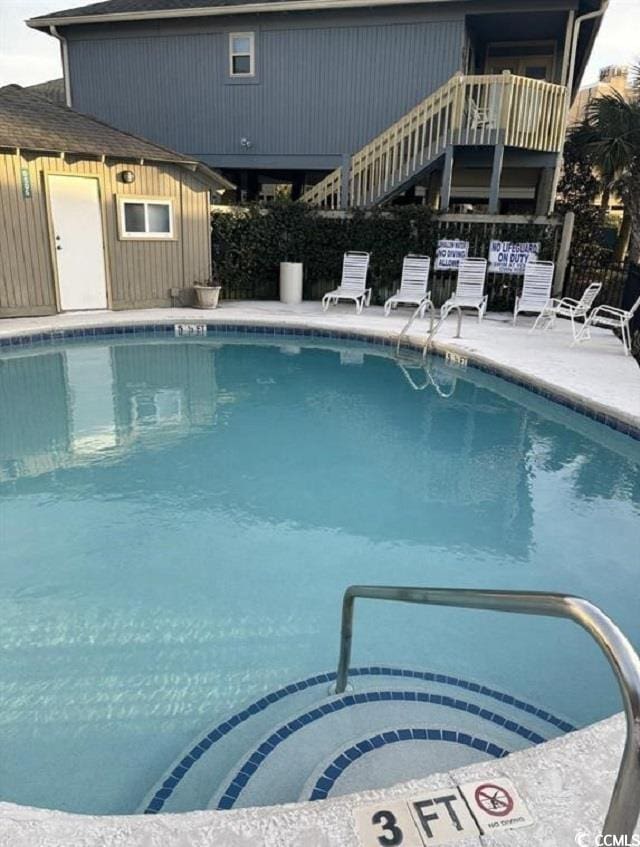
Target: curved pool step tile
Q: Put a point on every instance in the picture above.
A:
(200, 770)
(395, 755)
(277, 770)
(188, 782)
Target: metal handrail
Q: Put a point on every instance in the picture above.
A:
(405, 329)
(433, 331)
(433, 325)
(624, 806)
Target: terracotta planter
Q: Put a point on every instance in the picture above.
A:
(207, 296)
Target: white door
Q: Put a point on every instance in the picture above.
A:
(79, 247)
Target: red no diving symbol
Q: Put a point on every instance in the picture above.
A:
(494, 800)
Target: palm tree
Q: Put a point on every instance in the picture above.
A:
(610, 135)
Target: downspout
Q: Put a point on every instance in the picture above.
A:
(64, 52)
(589, 16)
(599, 13)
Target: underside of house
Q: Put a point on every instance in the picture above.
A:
(459, 104)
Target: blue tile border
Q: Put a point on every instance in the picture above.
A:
(169, 784)
(253, 762)
(339, 765)
(65, 335)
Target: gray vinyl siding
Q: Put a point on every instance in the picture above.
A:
(325, 85)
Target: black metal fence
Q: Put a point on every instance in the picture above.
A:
(600, 268)
(629, 298)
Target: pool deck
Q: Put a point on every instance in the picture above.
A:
(566, 783)
(595, 373)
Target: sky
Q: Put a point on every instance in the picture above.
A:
(27, 56)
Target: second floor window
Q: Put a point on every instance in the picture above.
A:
(242, 53)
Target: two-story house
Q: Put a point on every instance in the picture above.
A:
(464, 101)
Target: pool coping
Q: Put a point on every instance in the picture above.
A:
(566, 784)
(108, 324)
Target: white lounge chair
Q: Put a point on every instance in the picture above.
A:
(472, 276)
(609, 317)
(413, 285)
(536, 288)
(353, 285)
(567, 307)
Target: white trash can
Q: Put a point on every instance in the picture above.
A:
(291, 282)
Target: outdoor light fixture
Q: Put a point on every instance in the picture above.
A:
(244, 142)
(128, 177)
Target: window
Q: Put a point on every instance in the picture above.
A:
(241, 54)
(145, 218)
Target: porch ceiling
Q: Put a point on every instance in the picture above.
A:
(518, 26)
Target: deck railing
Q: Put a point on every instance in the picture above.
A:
(467, 110)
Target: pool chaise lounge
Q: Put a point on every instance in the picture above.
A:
(536, 288)
(414, 285)
(470, 285)
(353, 285)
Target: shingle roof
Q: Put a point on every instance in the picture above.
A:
(113, 7)
(52, 89)
(30, 121)
(148, 7)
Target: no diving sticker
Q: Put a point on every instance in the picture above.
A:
(447, 816)
(496, 804)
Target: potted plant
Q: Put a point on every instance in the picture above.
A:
(207, 293)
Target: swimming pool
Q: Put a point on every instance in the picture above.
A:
(180, 518)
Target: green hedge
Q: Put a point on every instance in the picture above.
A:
(248, 247)
(249, 244)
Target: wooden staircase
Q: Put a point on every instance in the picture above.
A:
(467, 110)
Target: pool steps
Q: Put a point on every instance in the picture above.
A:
(278, 749)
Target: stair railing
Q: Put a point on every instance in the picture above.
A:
(466, 110)
(624, 806)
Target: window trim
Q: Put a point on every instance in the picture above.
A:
(252, 55)
(125, 235)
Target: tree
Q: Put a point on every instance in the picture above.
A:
(610, 138)
(578, 189)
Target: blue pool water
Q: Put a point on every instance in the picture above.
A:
(178, 521)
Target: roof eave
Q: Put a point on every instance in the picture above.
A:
(199, 168)
(93, 154)
(214, 177)
(212, 11)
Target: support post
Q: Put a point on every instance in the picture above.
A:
(496, 176)
(447, 176)
(544, 191)
(557, 173)
(344, 181)
(564, 250)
